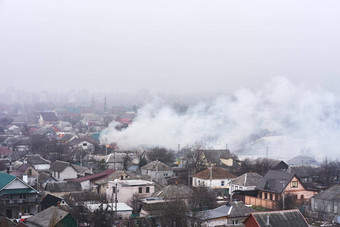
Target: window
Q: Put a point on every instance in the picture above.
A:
(294, 184)
(121, 177)
(266, 195)
(27, 210)
(222, 183)
(235, 222)
(276, 197)
(22, 196)
(113, 189)
(260, 194)
(199, 182)
(140, 190)
(301, 197)
(29, 172)
(147, 189)
(271, 196)
(84, 144)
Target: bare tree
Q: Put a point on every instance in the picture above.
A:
(329, 172)
(162, 154)
(202, 198)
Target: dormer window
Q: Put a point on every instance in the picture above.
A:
(294, 184)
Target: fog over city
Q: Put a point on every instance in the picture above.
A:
(167, 46)
(287, 119)
(270, 70)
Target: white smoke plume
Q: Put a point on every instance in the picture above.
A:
(286, 118)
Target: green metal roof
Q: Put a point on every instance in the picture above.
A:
(17, 191)
(5, 179)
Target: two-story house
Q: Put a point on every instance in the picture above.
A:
(125, 189)
(17, 198)
(277, 184)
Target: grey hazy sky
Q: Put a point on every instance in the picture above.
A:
(167, 45)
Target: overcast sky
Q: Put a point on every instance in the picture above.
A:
(168, 45)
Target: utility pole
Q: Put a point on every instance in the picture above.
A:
(210, 172)
(283, 193)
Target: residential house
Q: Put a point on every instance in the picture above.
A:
(123, 210)
(153, 207)
(115, 160)
(276, 184)
(17, 197)
(51, 217)
(125, 189)
(89, 180)
(158, 171)
(81, 143)
(47, 118)
(245, 182)
(233, 213)
(284, 218)
(221, 157)
(326, 204)
(215, 177)
(27, 173)
(60, 189)
(100, 186)
(305, 173)
(63, 170)
(173, 192)
(37, 162)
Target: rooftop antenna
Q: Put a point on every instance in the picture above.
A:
(105, 104)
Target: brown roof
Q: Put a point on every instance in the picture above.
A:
(217, 173)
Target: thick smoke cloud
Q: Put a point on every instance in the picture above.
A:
(286, 118)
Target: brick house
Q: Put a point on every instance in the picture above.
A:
(274, 185)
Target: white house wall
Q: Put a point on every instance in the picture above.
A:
(216, 183)
(68, 173)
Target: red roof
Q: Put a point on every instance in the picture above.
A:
(217, 173)
(5, 151)
(95, 177)
(124, 120)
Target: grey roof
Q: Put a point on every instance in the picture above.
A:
(214, 156)
(46, 217)
(81, 169)
(49, 116)
(70, 186)
(156, 165)
(301, 160)
(285, 218)
(78, 141)
(209, 214)
(247, 179)
(273, 181)
(173, 192)
(333, 193)
(59, 166)
(235, 209)
(110, 158)
(36, 159)
(303, 171)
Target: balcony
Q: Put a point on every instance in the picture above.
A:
(18, 201)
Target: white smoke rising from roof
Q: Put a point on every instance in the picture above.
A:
(286, 117)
